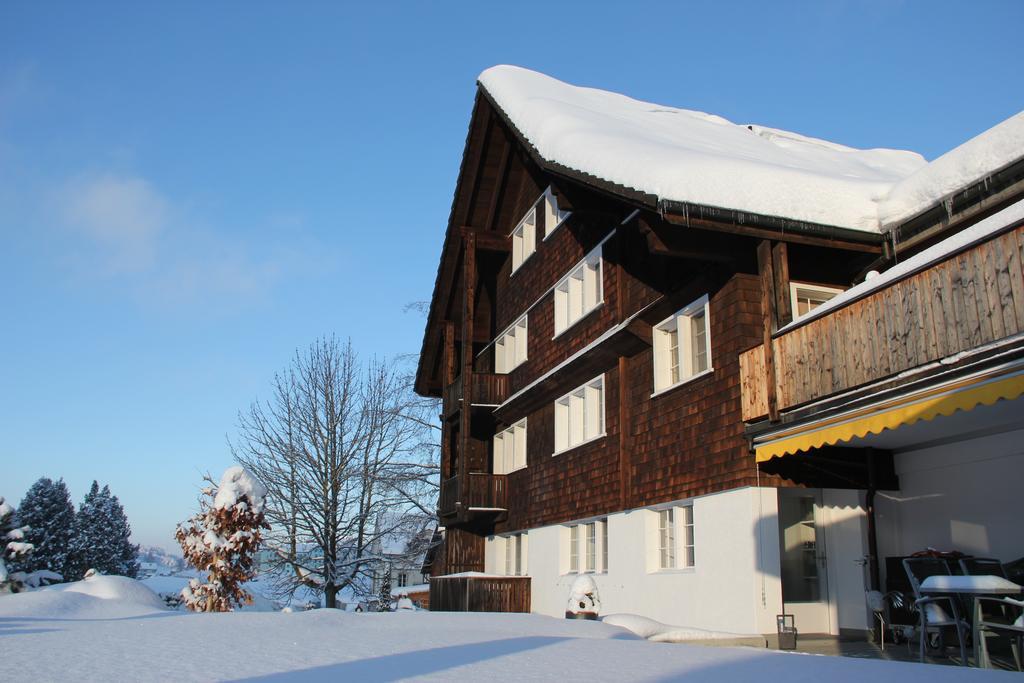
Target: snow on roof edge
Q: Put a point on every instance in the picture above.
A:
(983, 155)
(689, 156)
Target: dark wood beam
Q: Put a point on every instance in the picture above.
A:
(765, 270)
(466, 368)
(487, 240)
(668, 240)
(764, 233)
(780, 271)
(499, 184)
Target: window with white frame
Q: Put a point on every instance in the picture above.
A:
(574, 548)
(588, 547)
(590, 540)
(403, 580)
(579, 415)
(510, 448)
(674, 539)
(687, 557)
(553, 216)
(666, 539)
(806, 298)
(515, 555)
(579, 292)
(510, 347)
(603, 524)
(524, 239)
(682, 345)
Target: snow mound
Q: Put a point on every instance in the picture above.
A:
(690, 156)
(119, 588)
(98, 597)
(236, 484)
(663, 633)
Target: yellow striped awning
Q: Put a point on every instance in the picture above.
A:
(966, 393)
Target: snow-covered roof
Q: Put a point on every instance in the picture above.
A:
(689, 156)
(972, 161)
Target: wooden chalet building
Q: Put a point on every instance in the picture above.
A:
(611, 276)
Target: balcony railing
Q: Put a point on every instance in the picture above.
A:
(488, 390)
(473, 495)
(972, 298)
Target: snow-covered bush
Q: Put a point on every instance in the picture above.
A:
(13, 547)
(221, 540)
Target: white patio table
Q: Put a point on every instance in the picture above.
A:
(973, 587)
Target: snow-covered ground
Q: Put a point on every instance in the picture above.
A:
(110, 628)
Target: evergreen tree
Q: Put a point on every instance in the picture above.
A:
(87, 543)
(102, 537)
(122, 554)
(384, 599)
(12, 548)
(50, 516)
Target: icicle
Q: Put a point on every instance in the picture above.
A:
(948, 203)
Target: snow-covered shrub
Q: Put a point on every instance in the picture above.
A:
(13, 547)
(221, 540)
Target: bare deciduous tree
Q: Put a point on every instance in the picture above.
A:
(348, 456)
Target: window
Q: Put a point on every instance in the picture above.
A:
(686, 520)
(403, 580)
(524, 239)
(591, 541)
(588, 547)
(574, 548)
(510, 448)
(808, 297)
(604, 544)
(682, 347)
(579, 415)
(671, 540)
(515, 555)
(553, 216)
(510, 348)
(666, 539)
(579, 292)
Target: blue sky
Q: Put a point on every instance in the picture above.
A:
(191, 191)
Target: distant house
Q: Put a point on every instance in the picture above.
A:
(650, 326)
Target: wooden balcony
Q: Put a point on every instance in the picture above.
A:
(971, 298)
(477, 495)
(488, 390)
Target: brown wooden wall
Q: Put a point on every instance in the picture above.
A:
(684, 442)
(974, 298)
(480, 594)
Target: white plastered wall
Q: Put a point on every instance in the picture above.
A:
(734, 585)
(963, 495)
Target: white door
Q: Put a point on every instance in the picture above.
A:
(802, 554)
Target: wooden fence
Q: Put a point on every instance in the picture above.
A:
(460, 593)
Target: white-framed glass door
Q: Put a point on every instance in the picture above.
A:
(803, 563)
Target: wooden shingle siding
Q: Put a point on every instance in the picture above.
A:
(971, 299)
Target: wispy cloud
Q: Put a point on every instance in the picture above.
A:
(120, 228)
(122, 216)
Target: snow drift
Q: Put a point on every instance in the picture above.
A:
(658, 632)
